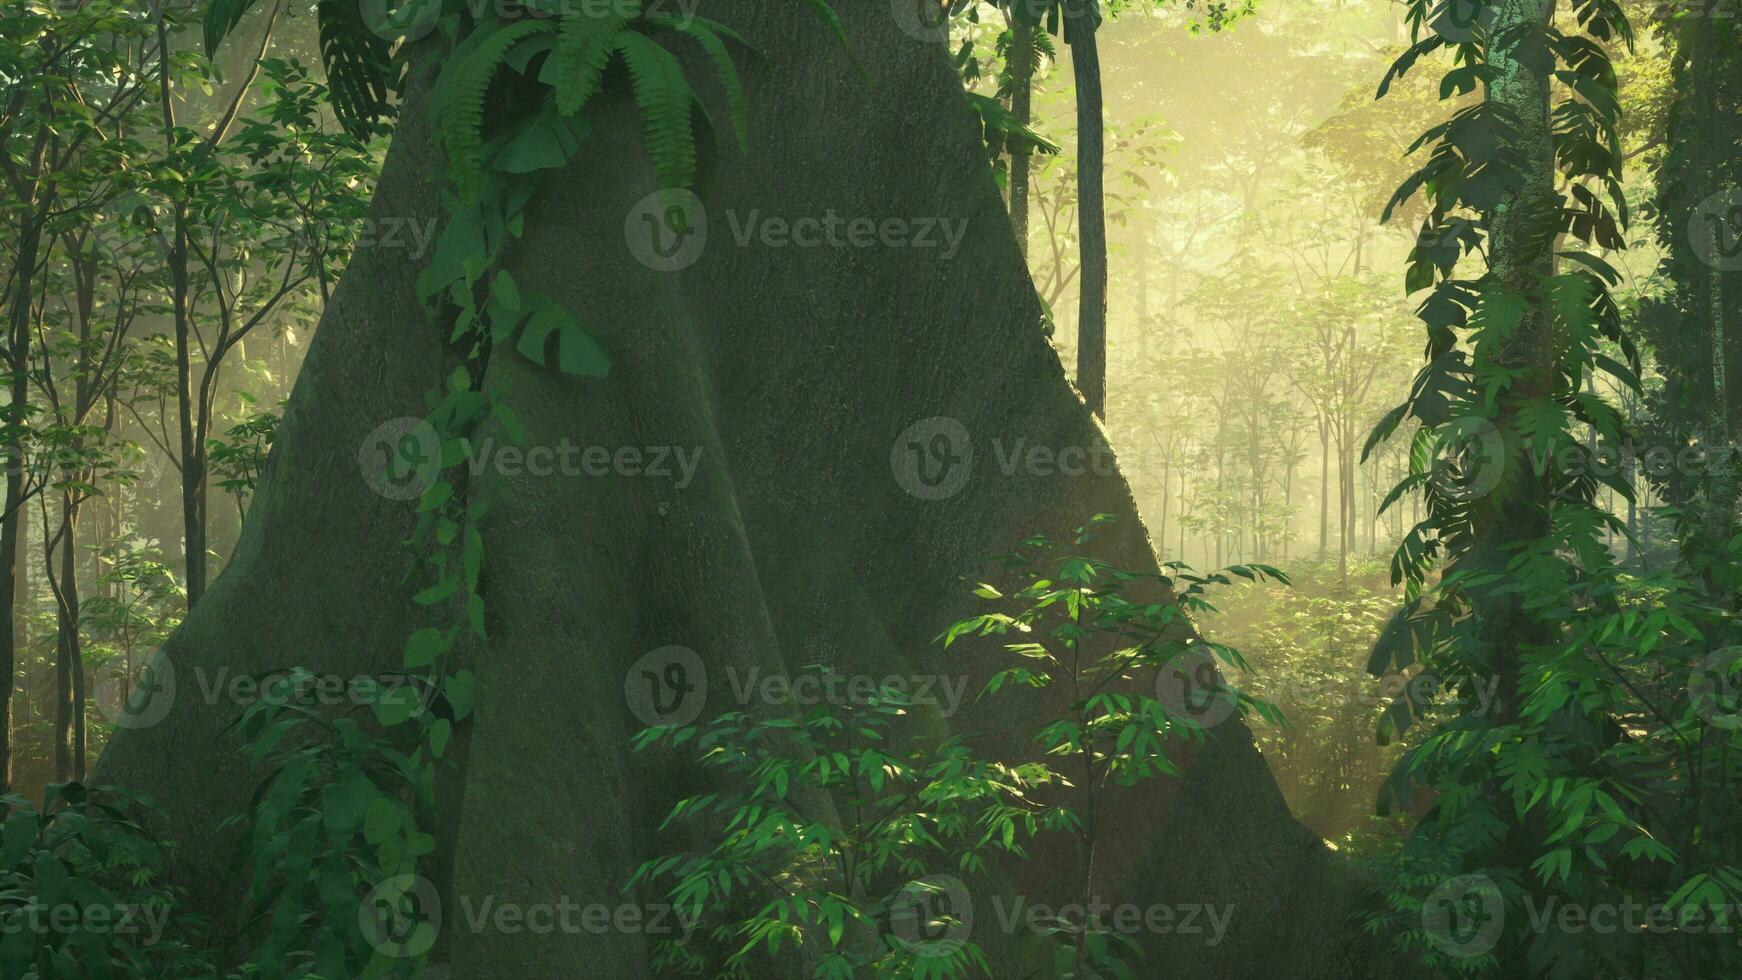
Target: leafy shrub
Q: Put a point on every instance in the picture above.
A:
(81, 891)
(829, 826)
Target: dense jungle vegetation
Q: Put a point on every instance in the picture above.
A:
(860, 488)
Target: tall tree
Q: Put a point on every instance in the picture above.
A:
(1082, 22)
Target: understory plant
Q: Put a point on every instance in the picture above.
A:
(82, 890)
(840, 839)
(1122, 679)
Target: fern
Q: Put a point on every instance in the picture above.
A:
(709, 34)
(460, 100)
(665, 99)
(577, 64)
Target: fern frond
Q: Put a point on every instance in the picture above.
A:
(665, 99)
(833, 20)
(460, 102)
(710, 35)
(578, 62)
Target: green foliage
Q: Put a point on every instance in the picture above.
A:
(1597, 775)
(333, 821)
(1307, 643)
(82, 891)
(1123, 677)
(826, 827)
(237, 459)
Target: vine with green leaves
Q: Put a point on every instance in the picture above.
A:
(1573, 789)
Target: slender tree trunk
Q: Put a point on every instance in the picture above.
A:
(192, 471)
(1082, 20)
(11, 526)
(1324, 488)
(69, 721)
(1710, 153)
(1022, 107)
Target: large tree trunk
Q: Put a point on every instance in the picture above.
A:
(803, 378)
